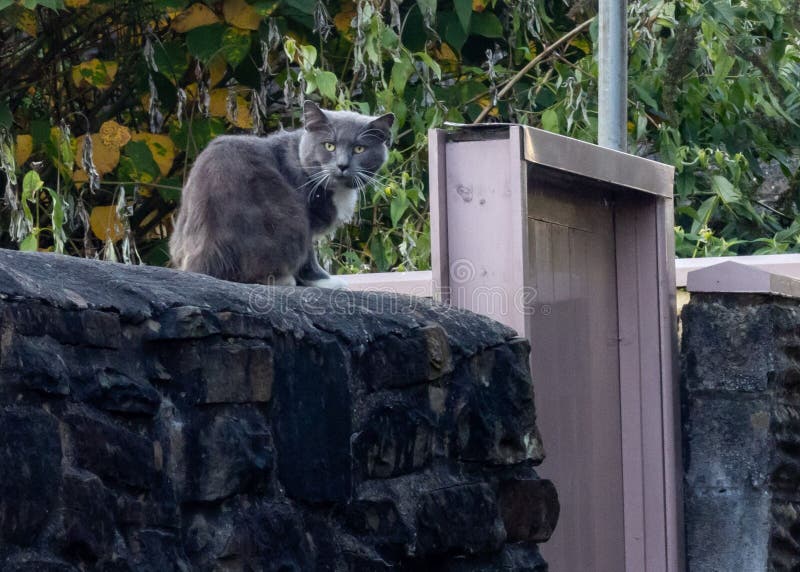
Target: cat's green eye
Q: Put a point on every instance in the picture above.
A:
(330, 146)
(359, 149)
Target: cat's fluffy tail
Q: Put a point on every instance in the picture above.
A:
(193, 249)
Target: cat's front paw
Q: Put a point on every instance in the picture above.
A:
(330, 282)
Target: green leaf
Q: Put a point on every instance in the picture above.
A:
(550, 120)
(725, 190)
(451, 30)
(645, 96)
(171, 59)
(170, 189)
(235, 45)
(428, 9)
(326, 83)
(137, 163)
(57, 218)
(431, 63)
(402, 69)
(304, 6)
(31, 183)
(486, 24)
(464, 13)
(378, 253)
(204, 42)
(30, 243)
(398, 208)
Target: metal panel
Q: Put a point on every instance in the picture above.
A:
(733, 276)
(601, 324)
(575, 364)
(437, 157)
(593, 162)
(785, 264)
(485, 226)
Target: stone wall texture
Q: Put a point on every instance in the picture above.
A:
(741, 430)
(153, 420)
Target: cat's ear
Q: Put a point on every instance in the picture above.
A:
(384, 125)
(313, 117)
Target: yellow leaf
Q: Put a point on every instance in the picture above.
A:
(479, 5)
(241, 14)
(161, 147)
(105, 156)
(96, 73)
(446, 57)
(26, 21)
(484, 101)
(582, 44)
(219, 102)
(112, 134)
(342, 19)
(193, 17)
(219, 108)
(75, 3)
(23, 148)
(217, 69)
(243, 118)
(106, 224)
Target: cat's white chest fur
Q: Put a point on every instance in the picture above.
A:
(345, 201)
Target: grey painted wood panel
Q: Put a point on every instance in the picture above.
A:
(576, 365)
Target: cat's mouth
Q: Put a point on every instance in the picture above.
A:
(345, 180)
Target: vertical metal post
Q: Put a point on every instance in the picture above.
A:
(613, 75)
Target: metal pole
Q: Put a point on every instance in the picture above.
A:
(613, 75)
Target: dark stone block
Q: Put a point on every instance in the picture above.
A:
(227, 453)
(729, 343)
(109, 450)
(266, 536)
(388, 362)
(152, 550)
(184, 322)
(116, 392)
(728, 443)
(491, 409)
(462, 519)
(727, 531)
(396, 438)
(512, 558)
(529, 508)
(34, 363)
(78, 327)
(87, 520)
(312, 420)
(30, 473)
(218, 371)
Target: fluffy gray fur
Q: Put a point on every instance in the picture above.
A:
(253, 206)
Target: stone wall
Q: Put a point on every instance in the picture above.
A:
(154, 420)
(741, 430)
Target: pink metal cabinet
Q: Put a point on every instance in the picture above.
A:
(571, 244)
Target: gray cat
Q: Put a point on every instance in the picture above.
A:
(253, 206)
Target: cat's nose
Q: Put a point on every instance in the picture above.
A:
(342, 167)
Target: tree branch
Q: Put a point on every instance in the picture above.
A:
(529, 66)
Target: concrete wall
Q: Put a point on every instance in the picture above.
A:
(740, 386)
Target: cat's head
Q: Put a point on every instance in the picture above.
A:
(348, 147)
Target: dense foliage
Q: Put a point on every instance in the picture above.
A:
(104, 104)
